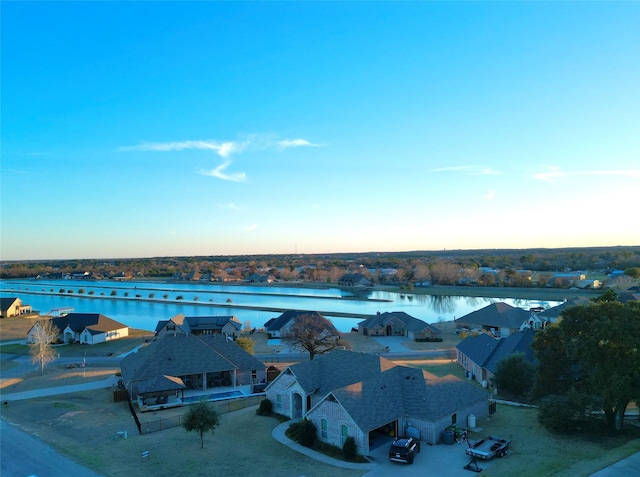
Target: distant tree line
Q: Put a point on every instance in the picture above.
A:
(437, 267)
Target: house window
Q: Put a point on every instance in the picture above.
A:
(454, 419)
(344, 433)
(279, 401)
(323, 427)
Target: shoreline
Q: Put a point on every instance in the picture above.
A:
(532, 293)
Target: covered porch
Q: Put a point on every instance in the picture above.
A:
(160, 393)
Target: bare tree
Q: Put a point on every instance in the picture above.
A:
(43, 334)
(313, 333)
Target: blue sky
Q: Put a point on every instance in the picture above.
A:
(138, 129)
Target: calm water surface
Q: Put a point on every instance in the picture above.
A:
(146, 303)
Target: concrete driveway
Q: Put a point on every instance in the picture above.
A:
(448, 460)
(393, 343)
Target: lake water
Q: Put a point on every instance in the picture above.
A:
(146, 303)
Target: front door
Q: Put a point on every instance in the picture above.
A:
(296, 402)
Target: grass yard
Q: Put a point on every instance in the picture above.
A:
(110, 348)
(536, 452)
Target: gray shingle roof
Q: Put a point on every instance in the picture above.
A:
(276, 324)
(181, 355)
(5, 303)
(478, 348)
(486, 351)
(515, 343)
(337, 369)
(554, 312)
(499, 315)
(94, 321)
(410, 323)
(190, 324)
(161, 383)
(405, 391)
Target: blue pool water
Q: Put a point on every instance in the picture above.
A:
(213, 397)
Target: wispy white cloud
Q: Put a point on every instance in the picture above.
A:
(251, 227)
(485, 171)
(490, 195)
(223, 149)
(286, 143)
(220, 173)
(555, 173)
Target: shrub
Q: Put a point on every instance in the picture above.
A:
(564, 412)
(349, 448)
(303, 432)
(265, 408)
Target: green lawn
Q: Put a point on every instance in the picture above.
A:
(536, 452)
(110, 348)
(14, 349)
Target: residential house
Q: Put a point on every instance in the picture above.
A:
(566, 279)
(353, 280)
(499, 319)
(278, 326)
(399, 323)
(86, 328)
(479, 355)
(200, 325)
(345, 393)
(628, 296)
(158, 374)
(13, 306)
(589, 284)
(257, 278)
(540, 320)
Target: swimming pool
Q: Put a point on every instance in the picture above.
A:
(212, 397)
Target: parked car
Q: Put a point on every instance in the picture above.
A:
(404, 449)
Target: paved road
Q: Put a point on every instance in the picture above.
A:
(25, 455)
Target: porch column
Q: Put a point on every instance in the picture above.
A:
(204, 380)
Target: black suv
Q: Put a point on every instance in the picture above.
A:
(404, 449)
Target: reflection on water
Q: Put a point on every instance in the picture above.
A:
(444, 305)
(143, 304)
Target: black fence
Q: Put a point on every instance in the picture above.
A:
(223, 407)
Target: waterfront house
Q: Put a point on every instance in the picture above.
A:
(353, 280)
(499, 319)
(13, 306)
(399, 323)
(86, 328)
(278, 326)
(200, 325)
